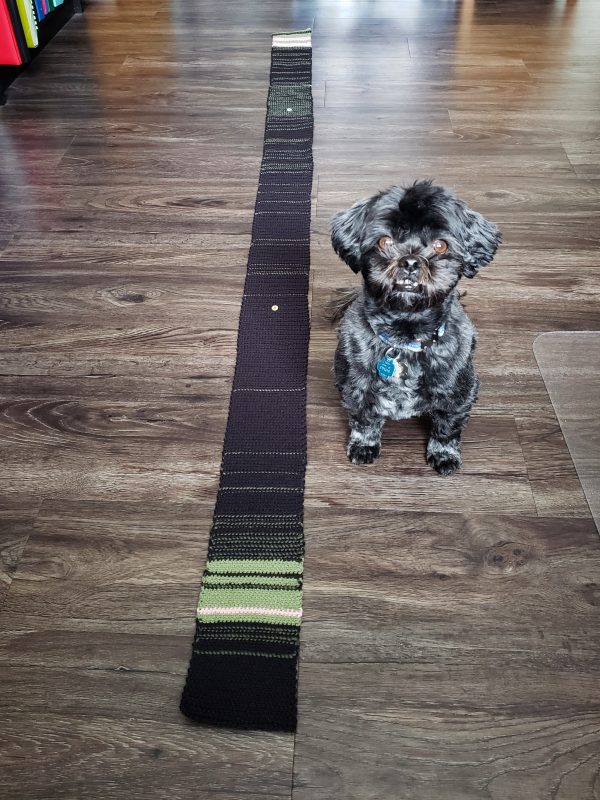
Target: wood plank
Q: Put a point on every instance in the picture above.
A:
(452, 733)
(121, 208)
(15, 528)
(75, 567)
(508, 201)
(493, 477)
(101, 759)
(109, 251)
(556, 124)
(121, 446)
(95, 301)
(449, 159)
(584, 156)
(450, 589)
(451, 91)
(138, 645)
(115, 682)
(461, 651)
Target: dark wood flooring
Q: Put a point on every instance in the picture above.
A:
(451, 643)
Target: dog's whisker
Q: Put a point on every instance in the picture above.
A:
(391, 269)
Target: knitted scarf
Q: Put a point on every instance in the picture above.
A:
(243, 670)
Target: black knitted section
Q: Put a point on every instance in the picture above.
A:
(243, 670)
(242, 691)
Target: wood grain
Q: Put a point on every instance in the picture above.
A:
(153, 253)
(113, 560)
(88, 757)
(15, 529)
(487, 735)
(493, 457)
(450, 647)
(451, 589)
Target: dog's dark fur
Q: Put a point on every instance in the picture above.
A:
(438, 382)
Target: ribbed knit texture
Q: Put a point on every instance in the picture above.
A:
(243, 671)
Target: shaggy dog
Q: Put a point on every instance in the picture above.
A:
(405, 343)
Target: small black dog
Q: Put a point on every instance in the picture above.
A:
(405, 344)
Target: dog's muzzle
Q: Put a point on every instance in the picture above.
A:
(411, 271)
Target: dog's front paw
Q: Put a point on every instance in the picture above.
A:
(445, 466)
(445, 459)
(363, 453)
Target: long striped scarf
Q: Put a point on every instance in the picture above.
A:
(243, 670)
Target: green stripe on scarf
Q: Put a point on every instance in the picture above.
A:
(255, 566)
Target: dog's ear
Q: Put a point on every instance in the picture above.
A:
(480, 239)
(347, 231)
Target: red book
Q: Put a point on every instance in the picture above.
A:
(9, 49)
(19, 33)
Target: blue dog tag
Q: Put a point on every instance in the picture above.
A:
(388, 368)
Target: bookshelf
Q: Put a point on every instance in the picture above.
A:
(47, 28)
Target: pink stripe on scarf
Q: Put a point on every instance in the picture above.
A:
(272, 612)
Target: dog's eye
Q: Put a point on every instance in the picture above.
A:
(440, 246)
(384, 242)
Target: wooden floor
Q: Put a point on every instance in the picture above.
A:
(452, 640)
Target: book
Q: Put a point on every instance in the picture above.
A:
(10, 54)
(28, 22)
(18, 31)
(40, 9)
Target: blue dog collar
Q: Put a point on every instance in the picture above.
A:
(413, 345)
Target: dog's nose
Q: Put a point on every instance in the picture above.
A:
(410, 263)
